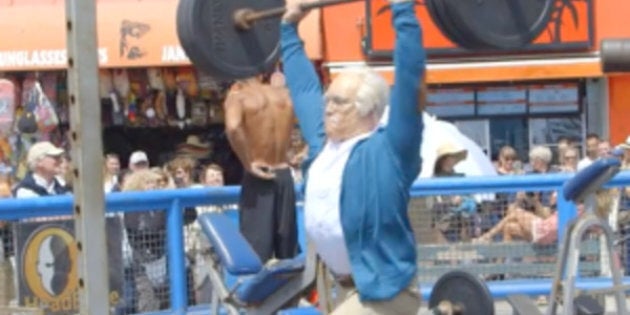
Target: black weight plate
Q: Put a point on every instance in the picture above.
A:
(185, 11)
(184, 33)
(214, 45)
(434, 8)
(463, 288)
(500, 23)
(472, 41)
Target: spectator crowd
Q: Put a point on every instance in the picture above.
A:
(529, 216)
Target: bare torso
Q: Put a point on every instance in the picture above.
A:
(267, 120)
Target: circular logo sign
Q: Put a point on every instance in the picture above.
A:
(49, 265)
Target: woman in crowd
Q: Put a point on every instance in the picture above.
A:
(197, 245)
(455, 216)
(181, 169)
(111, 173)
(540, 159)
(569, 159)
(564, 143)
(506, 162)
(539, 225)
(505, 166)
(146, 232)
(164, 178)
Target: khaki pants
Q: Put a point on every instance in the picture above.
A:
(407, 302)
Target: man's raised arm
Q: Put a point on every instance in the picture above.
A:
(303, 83)
(404, 128)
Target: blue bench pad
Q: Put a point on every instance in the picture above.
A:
(257, 288)
(235, 253)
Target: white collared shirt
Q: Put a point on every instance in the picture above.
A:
(321, 204)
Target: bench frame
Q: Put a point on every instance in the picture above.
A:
(224, 296)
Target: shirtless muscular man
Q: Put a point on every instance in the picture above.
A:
(258, 120)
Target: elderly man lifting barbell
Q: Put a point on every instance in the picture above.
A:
(358, 176)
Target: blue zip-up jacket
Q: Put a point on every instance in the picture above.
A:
(380, 170)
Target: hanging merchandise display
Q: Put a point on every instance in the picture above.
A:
(45, 112)
(7, 110)
(159, 97)
(27, 123)
(34, 107)
(7, 106)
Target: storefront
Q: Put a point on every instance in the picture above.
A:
(551, 88)
(152, 99)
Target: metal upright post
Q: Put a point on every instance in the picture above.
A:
(87, 157)
(566, 212)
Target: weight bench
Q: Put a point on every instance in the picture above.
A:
(580, 188)
(259, 289)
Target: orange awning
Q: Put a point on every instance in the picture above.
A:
(495, 71)
(33, 34)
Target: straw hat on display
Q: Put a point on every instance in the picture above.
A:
(194, 147)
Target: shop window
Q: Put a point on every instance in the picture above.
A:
(511, 131)
(520, 115)
(548, 131)
(478, 131)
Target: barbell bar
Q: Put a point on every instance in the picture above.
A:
(243, 18)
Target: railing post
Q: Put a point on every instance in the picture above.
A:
(87, 156)
(566, 212)
(176, 262)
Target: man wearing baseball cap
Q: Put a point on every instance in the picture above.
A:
(43, 161)
(138, 160)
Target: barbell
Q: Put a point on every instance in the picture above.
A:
(235, 39)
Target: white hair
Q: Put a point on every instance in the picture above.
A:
(540, 152)
(372, 94)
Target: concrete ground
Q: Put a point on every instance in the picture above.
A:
(502, 307)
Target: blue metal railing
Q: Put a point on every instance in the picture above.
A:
(175, 200)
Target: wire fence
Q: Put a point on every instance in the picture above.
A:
(503, 235)
(497, 231)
